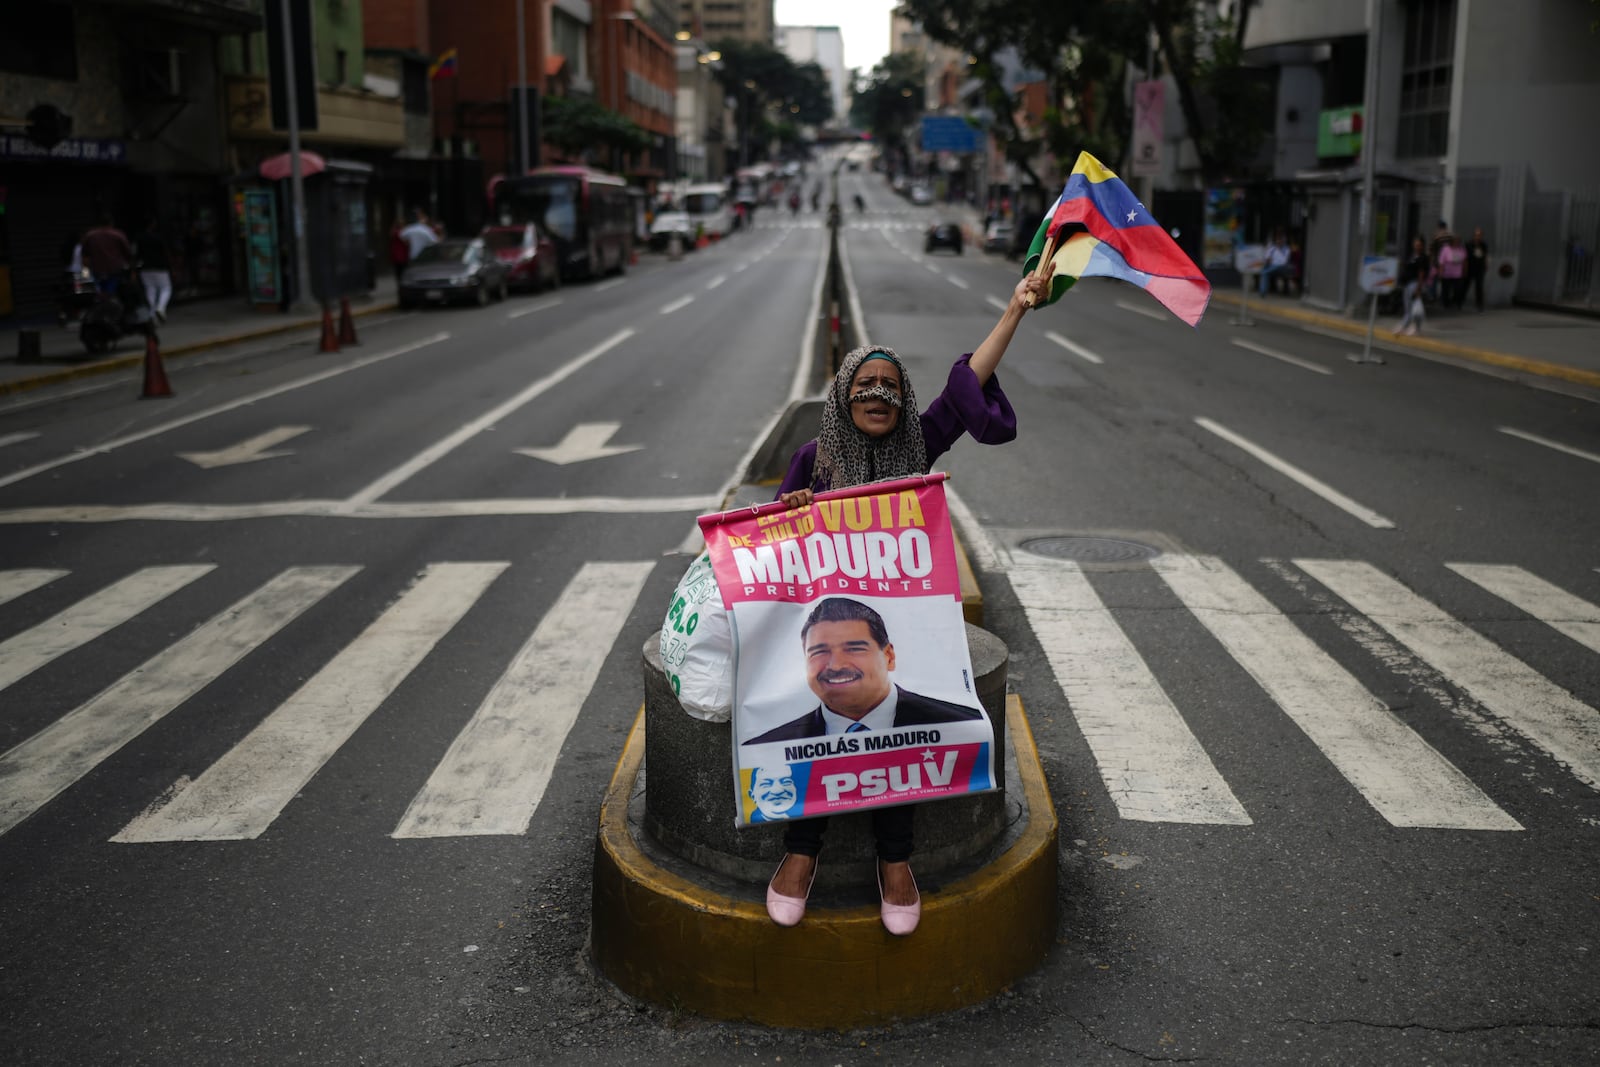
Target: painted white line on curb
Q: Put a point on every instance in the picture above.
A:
(1317, 486)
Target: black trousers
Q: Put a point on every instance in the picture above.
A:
(891, 826)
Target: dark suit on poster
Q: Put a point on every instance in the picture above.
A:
(911, 709)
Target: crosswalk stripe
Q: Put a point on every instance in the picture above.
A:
(1153, 766)
(1400, 774)
(17, 583)
(37, 770)
(241, 794)
(81, 623)
(1535, 707)
(494, 775)
(1550, 604)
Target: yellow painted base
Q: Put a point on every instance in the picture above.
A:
(664, 939)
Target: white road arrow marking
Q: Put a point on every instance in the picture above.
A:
(247, 451)
(587, 440)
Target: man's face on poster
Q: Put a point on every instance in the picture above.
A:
(847, 669)
(772, 788)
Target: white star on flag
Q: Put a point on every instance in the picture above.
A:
(927, 753)
(1131, 214)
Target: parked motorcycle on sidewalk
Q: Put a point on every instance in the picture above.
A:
(114, 315)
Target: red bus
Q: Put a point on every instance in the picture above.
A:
(586, 212)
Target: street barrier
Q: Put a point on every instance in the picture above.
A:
(330, 339)
(347, 323)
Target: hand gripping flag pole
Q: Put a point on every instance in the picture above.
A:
(1098, 229)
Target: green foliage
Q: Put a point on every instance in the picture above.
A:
(575, 124)
(891, 100)
(800, 91)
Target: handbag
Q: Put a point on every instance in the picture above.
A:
(697, 645)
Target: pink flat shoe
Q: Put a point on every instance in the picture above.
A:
(899, 919)
(788, 911)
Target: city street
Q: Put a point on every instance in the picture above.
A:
(1310, 649)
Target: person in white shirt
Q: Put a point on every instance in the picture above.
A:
(1277, 261)
(418, 235)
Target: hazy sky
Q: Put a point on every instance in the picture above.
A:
(864, 25)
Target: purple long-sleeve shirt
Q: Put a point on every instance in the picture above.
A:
(964, 407)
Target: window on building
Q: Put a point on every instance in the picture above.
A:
(1425, 79)
(341, 66)
(39, 40)
(567, 39)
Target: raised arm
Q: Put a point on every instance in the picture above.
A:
(987, 356)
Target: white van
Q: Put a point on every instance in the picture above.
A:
(707, 205)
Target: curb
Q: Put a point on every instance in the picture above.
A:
(107, 366)
(668, 940)
(1489, 357)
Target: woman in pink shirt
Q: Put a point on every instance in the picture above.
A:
(1453, 272)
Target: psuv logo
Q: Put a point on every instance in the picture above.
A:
(909, 773)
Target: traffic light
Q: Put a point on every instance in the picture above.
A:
(48, 126)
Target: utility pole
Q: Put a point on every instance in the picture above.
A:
(522, 91)
(297, 188)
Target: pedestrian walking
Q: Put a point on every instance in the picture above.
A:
(155, 269)
(399, 250)
(1414, 276)
(107, 254)
(419, 234)
(1477, 264)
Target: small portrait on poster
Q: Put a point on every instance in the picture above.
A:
(773, 792)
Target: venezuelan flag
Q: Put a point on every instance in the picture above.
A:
(1102, 231)
(444, 66)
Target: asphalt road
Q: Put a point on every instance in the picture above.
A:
(1326, 782)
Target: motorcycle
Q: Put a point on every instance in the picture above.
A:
(113, 315)
(75, 294)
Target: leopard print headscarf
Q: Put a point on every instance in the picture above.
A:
(847, 457)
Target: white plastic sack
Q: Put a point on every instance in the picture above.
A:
(697, 645)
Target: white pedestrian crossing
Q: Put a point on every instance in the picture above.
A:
(494, 774)
(240, 795)
(496, 771)
(1519, 696)
(34, 772)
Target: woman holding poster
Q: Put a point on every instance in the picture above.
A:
(872, 431)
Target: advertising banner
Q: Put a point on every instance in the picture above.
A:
(1149, 122)
(853, 686)
(1224, 225)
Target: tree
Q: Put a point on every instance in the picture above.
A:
(762, 79)
(1223, 101)
(575, 124)
(891, 100)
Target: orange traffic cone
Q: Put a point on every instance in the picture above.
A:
(330, 340)
(347, 323)
(155, 375)
(633, 255)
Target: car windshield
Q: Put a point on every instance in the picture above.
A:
(704, 203)
(444, 252)
(551, 201)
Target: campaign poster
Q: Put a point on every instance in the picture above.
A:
(853, 686)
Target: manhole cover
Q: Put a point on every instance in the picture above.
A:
(1090, 549)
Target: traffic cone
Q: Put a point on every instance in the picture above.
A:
(155, 375)
(330, 339)
(347, 323)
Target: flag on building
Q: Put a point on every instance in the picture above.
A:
(444, 66)
(1098, 229)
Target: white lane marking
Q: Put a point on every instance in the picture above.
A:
(15, 438)
(931, 269)
(714, 282)
(16, 583)
(681, 302)
(1403, 777)
(1546, 442)
(439, 449)
(585, 441)
(1304, 364)
(996, 302)
(248, 451)
(343, 509)
(243, 401)
(1545, 601)
(542, 305)
(496, 771)
(612, 284)
(240, 795)
(1152, 765)
(36, 771)
(1137, 310)
(1076, 349)
(81, 623)
(957, 282)
(1284, 467)
(1519, 696)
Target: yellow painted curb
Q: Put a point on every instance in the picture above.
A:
(667, 940)
(107, 366)
(971, 594)
(1487, 356)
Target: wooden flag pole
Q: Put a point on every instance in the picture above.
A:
(1045, 267)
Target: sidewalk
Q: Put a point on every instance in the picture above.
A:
(190, 327)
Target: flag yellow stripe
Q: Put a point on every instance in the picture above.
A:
(1092, 168)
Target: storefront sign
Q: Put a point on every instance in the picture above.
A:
(259, 219)
(1379, 274)
(72, 150)
(1339, 132)
(1149, 118)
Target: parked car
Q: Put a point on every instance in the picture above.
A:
(943, 235)
(530, 257)
(997, 238)
(921, 194)
(455, 270)
(669, 221)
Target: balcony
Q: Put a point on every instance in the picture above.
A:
(344, 116)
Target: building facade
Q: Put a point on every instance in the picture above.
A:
(824, 46)
(718, 20)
